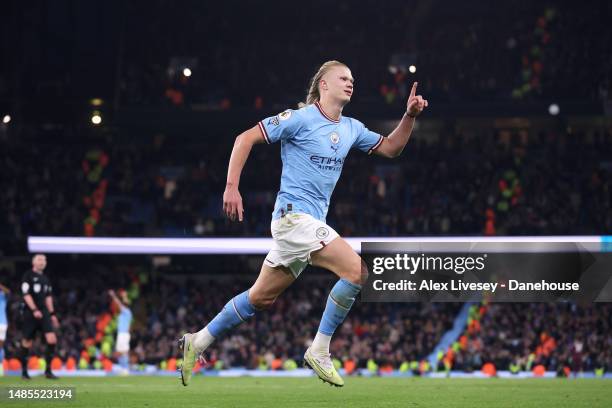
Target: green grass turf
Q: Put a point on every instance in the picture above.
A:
(151, 392)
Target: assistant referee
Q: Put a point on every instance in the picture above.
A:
(38, 314)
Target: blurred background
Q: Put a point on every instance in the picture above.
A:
(118, 120)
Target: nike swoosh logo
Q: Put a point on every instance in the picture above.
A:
(328, 373)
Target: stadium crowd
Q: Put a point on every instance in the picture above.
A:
(465, 51)
(389, 334)
(503, 51)
(501, 184)
(551, 183)
(498, 182)
(164, 308)
(561, 337)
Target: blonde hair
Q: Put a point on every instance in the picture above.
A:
(313, 94)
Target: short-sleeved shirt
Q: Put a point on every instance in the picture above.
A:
(124, 320)
(313, 150)
(38, 286)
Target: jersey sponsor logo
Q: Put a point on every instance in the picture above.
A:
(327, 163)
(285, 115)
(334, 137)
(273, 121)
(335, 161)
(36, 287)
(322, 233)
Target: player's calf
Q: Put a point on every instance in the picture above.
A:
(238, 310)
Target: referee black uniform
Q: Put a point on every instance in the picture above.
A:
(38, 286)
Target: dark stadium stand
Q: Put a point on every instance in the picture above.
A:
(487, 159)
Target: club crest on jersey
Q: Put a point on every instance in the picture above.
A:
(322, 233)
(334, 137)
(285, 115)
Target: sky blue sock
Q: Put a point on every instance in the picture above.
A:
(236, 311)
(339, 302)
(123, 360)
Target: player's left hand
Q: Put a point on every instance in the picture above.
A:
(416, 103)
(55, 322)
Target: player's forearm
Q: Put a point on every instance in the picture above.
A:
(401, 134)
(49, 304)
(30, 302)
(115, 300)
(240, 153)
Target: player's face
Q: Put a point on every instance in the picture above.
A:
(39, 262)
(339, 82)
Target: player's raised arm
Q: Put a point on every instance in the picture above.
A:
(114, 298)
(232, 201)
(393, 145)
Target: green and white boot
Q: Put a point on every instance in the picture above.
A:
(324, 368)
(189, 358)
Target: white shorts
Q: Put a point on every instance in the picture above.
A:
(123, 343)
(3, 327)
(296, 236)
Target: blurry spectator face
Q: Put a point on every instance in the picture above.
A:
(39, 263)
(338, 83)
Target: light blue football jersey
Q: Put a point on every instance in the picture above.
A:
(2, 308)
(124, 320)
(313, 150)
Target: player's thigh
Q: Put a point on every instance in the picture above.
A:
(341, 259)
(270, 283)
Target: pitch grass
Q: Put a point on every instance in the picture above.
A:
(153, 392)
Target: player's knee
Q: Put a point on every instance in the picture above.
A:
(264, 303)
(261, 301)
(26, 343)
(356, 272)
(364, 272)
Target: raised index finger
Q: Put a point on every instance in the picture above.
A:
(413, 90)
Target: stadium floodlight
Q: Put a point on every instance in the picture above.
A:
(96, 119)
(412, 69)
(553, 109)
(187, 72)
(6, 119)
(243, 246)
